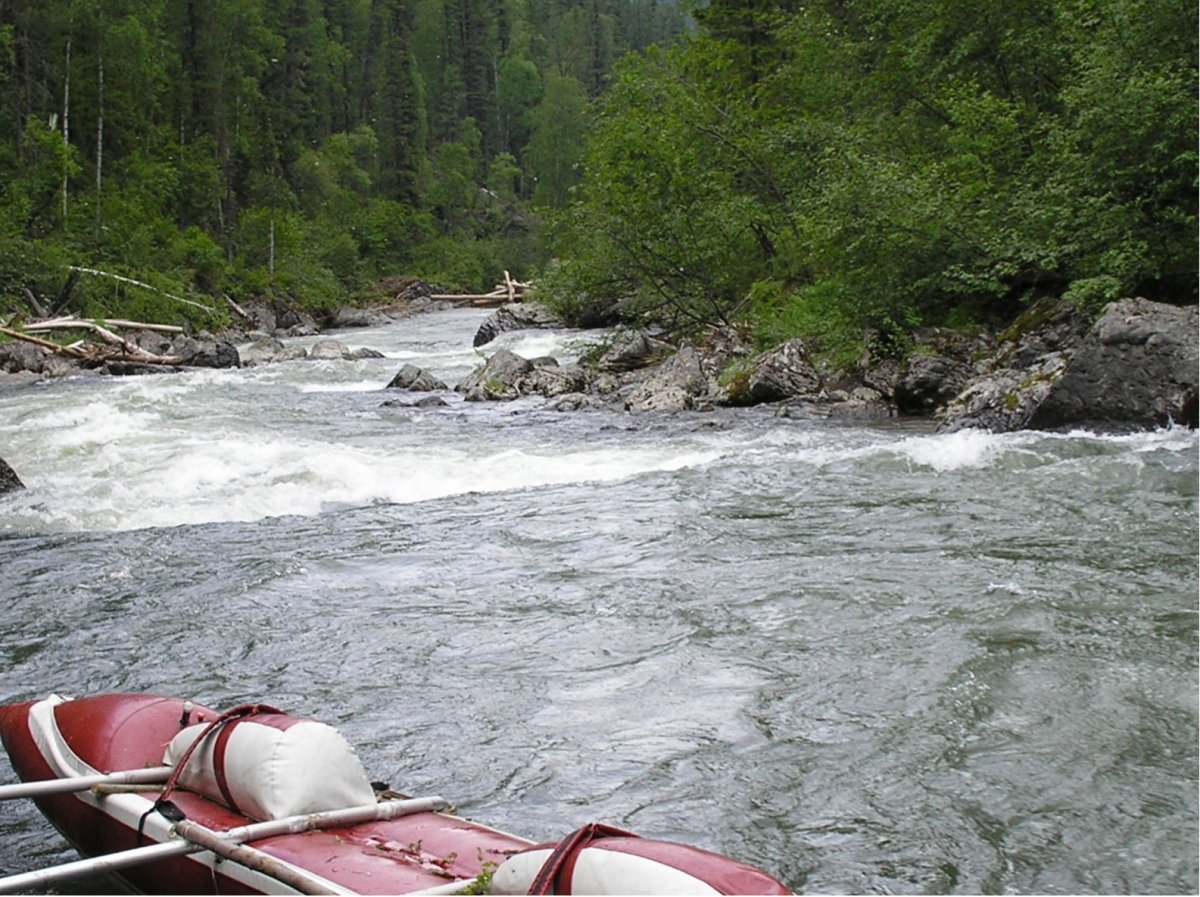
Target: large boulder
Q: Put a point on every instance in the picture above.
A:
(496, 379)
(294, 322)
(550, 379)
(629, 350)
(1137, 366)
(675, 385)
(416, 379)
(268, 350)
(349, 316)
(515, 316)
(928, 382)
(9, 481)
(204, 352)
(1134, 366)
(216, 355)
(1006, 398)
(783, 372)
(331, 349)
(20, 356)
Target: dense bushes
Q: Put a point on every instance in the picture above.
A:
(835, 168)
(300, 148)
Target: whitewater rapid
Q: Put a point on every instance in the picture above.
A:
(867, 657)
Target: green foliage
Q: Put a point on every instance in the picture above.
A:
(837, 170)
(558, 124)
(359, 138)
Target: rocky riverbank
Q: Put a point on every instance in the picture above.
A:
(1134, 366)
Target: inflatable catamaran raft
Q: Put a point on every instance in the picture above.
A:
(178, 798)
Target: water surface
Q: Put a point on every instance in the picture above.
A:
(868, 658)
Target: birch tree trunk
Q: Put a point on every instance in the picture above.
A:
(99, 133)
(66, 130)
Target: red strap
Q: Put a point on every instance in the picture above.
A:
(555, 875)
(235, 713)
(222, 744)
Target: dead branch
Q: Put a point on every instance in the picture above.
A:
(33, 302)
(73, 350)
(137, 283)
(241, 312)
(70, 322)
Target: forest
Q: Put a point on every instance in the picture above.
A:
(836, 169)
(297, 149)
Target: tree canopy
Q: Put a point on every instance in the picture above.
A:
(827, 168)
(842, 166)
(298, 147)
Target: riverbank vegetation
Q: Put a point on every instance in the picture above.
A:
(833, 168)
(299, 149)
(828, 170)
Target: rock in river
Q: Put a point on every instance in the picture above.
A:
(515, 316)
(416, 379)
(9, 481)
(1135, 366)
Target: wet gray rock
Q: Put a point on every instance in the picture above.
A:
(496, 379)
(576, 401)
(677, 384)
(863, 404)
(349, 316)
(219, 354)
(1137, 366)
(17, 357)
(423, 402)
(784, 372)
(630, 350)
(548, 378)
(332, 349)
(123, 368)
(515, 316)
(416, 379)
(294, 322)
(9, 481)
(329, 349)
(929, 382)
(204, 352)
(269, 350)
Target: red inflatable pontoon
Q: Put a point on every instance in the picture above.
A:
(176, 798)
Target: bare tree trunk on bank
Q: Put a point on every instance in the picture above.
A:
(66, 130)
(99, 135)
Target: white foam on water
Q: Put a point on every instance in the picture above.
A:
(954, 451)
(133, 483)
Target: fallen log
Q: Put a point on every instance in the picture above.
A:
(94, 354)
(468, 297)
(241, 312)
(72, 323)
(120, 278)
(73, 350)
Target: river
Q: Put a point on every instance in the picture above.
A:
(866, 657)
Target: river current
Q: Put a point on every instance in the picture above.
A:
(865, 657)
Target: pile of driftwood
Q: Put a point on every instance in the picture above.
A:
(111, 345)
(509, 291)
